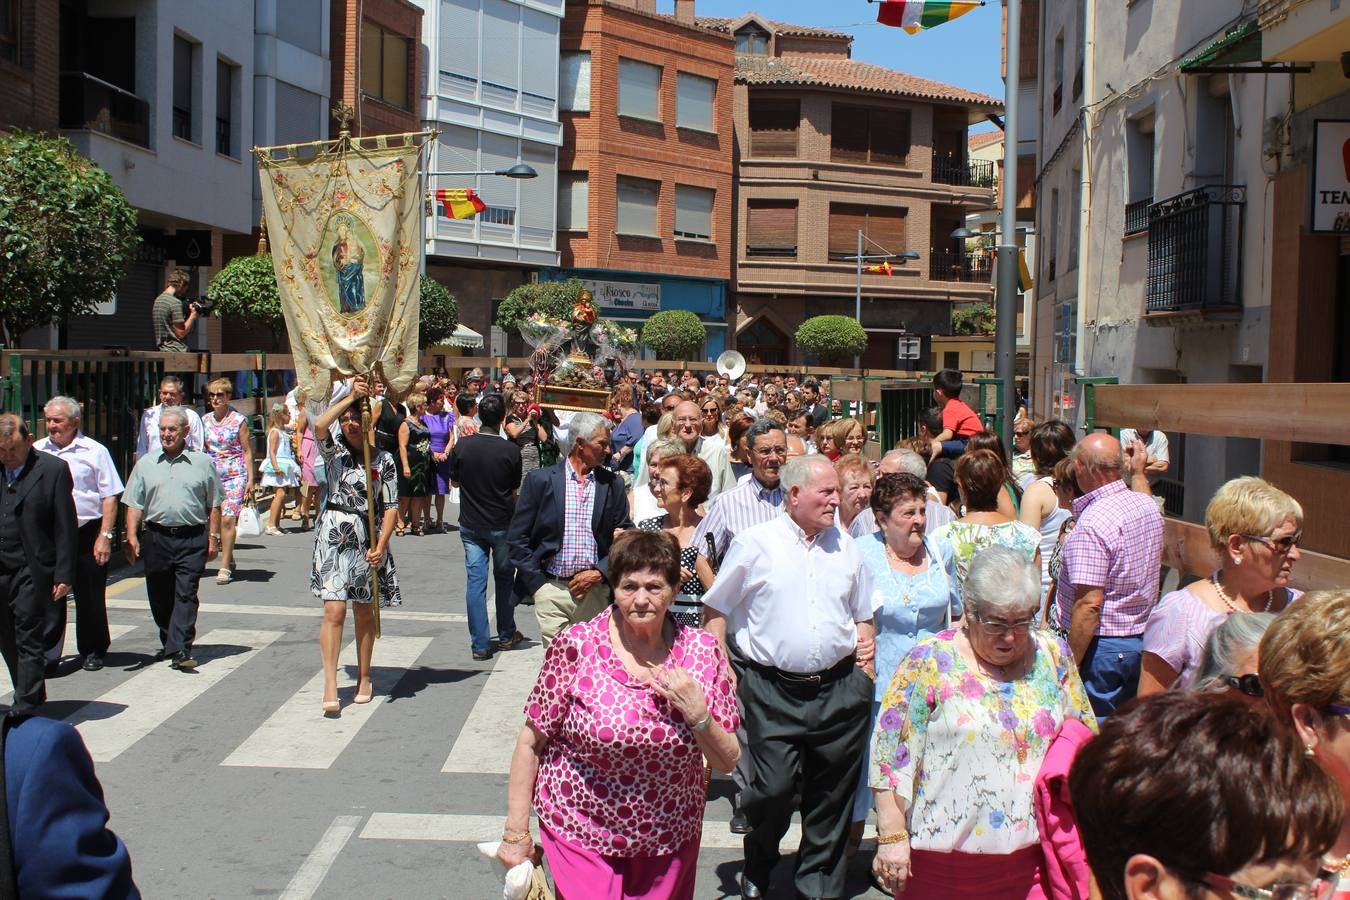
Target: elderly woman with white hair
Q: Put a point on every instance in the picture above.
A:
(962, 732)
(1229, 662)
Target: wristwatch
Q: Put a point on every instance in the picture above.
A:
(107, 534)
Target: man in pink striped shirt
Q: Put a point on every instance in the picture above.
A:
(1109, 574)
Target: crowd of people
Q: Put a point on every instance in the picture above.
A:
(969, 644)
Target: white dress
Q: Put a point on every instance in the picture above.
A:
(287, 472)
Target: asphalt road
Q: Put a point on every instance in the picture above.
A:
(229, 782)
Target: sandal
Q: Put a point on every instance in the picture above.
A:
(224, 576)
(275, 532)
(400, 531)
(417, 531)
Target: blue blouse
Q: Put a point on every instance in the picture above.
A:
(913, 607)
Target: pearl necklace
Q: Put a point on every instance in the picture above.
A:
(1228, 601)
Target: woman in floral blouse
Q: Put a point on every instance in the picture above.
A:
(963, 729)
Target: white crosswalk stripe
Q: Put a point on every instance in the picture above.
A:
(292, 612)
(148, 699)
(67, 649)
(485, 741)
(298, 736)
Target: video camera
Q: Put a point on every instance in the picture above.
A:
(204, 305)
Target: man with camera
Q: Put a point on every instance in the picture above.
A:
(171, 323)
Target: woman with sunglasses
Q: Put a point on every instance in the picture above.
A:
(1305, 670)
(963, 729)
(711, 426)
(228, 445)
(1228, 663)
(1191, 796)
(1255, 528)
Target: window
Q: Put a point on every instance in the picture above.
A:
(773, 127)
(575, 82)
(1075, 217)
(694, 102)
(1058, 96)
(1139, 157)
(882, 225)
(1054, 232)
(9, 30)
(866, 134)
(951, 359)
(771, 228)
(693, 212)
(384, 65)
(637, 206)
(184, 88)
(751, 41)
(227, 111)
(639, 90)
(574, 195)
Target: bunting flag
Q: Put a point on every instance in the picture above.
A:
(916, 15)
(459, 203)
(883, 269)
(344, 221)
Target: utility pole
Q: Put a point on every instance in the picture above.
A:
(1005, 297)
(857, 294)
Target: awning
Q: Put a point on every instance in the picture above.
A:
(464, 336)
(1237, 51)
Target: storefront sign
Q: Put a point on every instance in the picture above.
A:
(625, 295)
(1331, 176)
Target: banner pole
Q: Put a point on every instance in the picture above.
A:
(370, 510)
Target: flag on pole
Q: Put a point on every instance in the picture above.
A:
(883, 269)
(1023, 272)
(459, 203)
(916, 15)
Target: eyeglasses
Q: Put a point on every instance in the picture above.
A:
(766, 452)
(999, 629)
(1336, 709)
(1021, 433)
(217, 394)
(1247, 684)
(1279, 545)
(1280, 891)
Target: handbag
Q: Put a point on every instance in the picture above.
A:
(249, 524)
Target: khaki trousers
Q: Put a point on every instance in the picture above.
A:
(555, 609)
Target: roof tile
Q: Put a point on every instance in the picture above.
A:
(851, 74)
(718, 23)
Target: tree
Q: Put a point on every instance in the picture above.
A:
(67, 233)
(675, 334)
(552, 298)
(832, 338)
(977, 319)
(440, 312)
(246, 294)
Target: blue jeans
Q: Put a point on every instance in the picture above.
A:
(477, 546)
(1110, 671)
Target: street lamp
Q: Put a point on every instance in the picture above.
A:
(857, 292)
(519, 170)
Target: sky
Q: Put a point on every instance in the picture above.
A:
(965, 52)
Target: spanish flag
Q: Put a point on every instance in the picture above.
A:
(916, 15)
(459, 203)
(883, 269)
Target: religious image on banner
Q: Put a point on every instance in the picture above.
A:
(342, 218)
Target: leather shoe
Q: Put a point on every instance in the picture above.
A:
(515, 641)
(749, 890)
(739, 823)
(183, 661)
(482, 657)
(52, 669)
(93, 662)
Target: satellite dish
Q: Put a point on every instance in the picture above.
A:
(731, 364)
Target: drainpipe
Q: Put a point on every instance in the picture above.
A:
(1085, 193)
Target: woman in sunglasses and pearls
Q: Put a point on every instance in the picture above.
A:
(1255, 528)
(962, 732)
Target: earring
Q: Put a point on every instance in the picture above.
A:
(1308, 751)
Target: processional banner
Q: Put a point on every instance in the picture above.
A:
(343, 220)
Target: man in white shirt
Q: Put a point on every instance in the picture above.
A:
(793, 604)
(713, 451)
(170, 394)
(1155, 442)
(96, 488)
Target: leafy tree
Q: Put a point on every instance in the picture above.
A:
(245, 292)
(977, 319)
(832, 338)
(675, 334)
(552, 298)
(440, 312)
(67, 232)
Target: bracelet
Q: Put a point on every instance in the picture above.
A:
(703, 723)
(892, 838)
(515, 837)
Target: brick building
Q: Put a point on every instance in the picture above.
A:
(374, 52)
(645, 174)
(827, 146)
(28, 64)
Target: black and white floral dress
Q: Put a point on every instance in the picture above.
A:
(340, 535)
(688, 605)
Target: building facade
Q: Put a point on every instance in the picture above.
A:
(645, 181)
(823, 139)
(29, 74)
(491, 90)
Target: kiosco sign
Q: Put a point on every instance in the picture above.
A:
(1331, 176)
(625, 295)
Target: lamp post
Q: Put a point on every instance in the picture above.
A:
(857, 289)
(519, 170)
(1005, 293)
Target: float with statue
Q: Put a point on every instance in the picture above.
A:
(577, 361)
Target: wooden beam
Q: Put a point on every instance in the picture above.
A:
(1186, 548)
(1304, 413)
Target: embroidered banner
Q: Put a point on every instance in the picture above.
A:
(345, 235)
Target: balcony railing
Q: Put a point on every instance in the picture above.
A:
(1136, 215)
(948, 265)
(1195, 250)
(962, 172)
(92, 104)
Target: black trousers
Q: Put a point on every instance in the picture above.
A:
(21, 620)
(91, 605)
(173, 564)
(812, 734)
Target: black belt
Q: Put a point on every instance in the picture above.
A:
(835, 672)
(176, 530)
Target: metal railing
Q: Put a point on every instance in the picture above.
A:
(947, 265)
(223, 137)
(92, 104)
(182, 123)
(963, 172)
(1195, 250)
(1136, 215)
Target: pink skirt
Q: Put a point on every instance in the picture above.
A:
(307, 451)
(986, 876)
(582, 875)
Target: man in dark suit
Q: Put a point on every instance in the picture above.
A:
(815, 406)
(564, 522)
(39, 546)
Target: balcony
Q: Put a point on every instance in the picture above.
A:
(1195, 251)
(963, 173)
(1136, 215)
(92, 104)
(949, 265)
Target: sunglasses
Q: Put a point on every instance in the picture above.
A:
(1247, 684)
(1336, 709)
(1283, 891)
(1279, 545)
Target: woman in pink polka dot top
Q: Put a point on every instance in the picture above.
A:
(625, 709)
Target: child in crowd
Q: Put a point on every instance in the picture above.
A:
(279, 471)
(959, 421)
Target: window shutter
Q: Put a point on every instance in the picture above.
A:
(694, 102)
(459, 37)
(637, 199)
(501, 43)
(886, 226)
(771, 228)
(848, 133)
(773, 127)
(574, 192)
(693, 212)
(639, 89)
(889, 136)
(574, 82)
(845, 220)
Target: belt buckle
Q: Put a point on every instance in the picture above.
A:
(812, 678)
